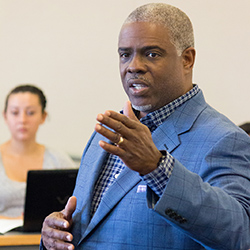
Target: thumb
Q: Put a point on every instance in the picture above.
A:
(128, 111)
(69, 208)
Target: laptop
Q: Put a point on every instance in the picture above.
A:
(47, 191)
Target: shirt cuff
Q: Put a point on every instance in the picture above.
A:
(157, 179)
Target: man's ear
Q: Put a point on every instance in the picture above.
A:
(188, 56)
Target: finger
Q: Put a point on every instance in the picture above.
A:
(128, 111)
(113, 125)
(112, 149)
(69, 208)
(56, 220)
(52, 243)
(117, 120)
(112, 136)
(54, 238)
(54, 233)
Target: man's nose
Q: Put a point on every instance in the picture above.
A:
(136, 64)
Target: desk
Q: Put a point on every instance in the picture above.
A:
(19, 241)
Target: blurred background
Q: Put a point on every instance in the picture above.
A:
(68, 48)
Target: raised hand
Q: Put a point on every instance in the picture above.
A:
(136, 148)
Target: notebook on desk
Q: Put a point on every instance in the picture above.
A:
(47, 191)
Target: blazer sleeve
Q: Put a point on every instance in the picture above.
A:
(211, 206)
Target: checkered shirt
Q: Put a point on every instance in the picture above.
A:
(156, 179)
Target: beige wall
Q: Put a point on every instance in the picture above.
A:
(69, 49)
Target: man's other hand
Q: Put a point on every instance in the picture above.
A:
(55, 230)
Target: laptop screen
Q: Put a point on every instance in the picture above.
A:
(47, 191)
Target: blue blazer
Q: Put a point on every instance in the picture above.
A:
(204, 206)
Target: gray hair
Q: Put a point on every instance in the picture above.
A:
(176, 21)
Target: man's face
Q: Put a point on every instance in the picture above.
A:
(151, 71)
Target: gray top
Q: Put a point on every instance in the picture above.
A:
(12, 193)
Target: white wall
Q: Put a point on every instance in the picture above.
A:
(69, 49)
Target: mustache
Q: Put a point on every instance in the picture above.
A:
(138, 77)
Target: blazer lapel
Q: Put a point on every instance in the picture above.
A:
(168, 132)
(120, 187)
(91, 166)
(178, 123)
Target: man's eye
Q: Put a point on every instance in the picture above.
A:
(124, 55)
(14, 112)
(152, 54)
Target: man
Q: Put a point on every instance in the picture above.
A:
(171, 173)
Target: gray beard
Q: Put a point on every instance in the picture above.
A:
(144, 108)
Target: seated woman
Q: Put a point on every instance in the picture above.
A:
(24, 112)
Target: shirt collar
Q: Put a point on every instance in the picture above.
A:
(156, 118)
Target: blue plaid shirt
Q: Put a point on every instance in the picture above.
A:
(156, 179)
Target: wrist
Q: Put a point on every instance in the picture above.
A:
(162, 159)
(155, 163)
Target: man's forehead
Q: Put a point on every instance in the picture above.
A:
(142, 27)
(142, 34)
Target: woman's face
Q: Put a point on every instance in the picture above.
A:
(24, 115)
